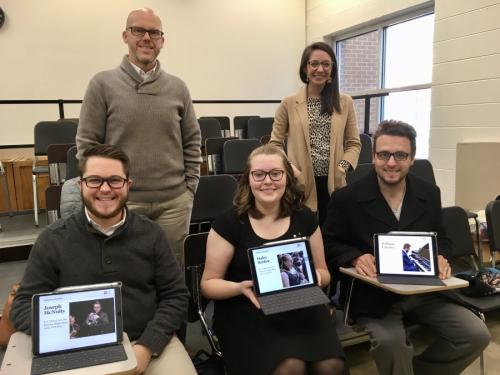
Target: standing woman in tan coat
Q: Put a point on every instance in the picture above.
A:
(320, 126)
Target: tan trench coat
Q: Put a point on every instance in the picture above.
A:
(291, 121)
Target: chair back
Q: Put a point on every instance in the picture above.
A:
(53, 132)
(72, 168)
(259, 127)
(225, 124)
(213, 153)
(365, 155)
(241, 126)
(57, 155)
(493, 223)
(73, 119)
(210, 128)
(457, 228)
(423, 168)
(361, 171)
(53, 202)
(213, 196)
(236, 153)
(195, 248)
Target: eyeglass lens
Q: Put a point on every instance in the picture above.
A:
(274, 175)
(139, 31)
(115, 182)
(398, 155)
(325, 64)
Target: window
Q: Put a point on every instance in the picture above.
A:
(395, 58)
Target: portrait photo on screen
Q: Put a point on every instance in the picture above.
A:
(92, 317)
(293, 269)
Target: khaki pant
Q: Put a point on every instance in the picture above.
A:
(460, 337)
(174, 360)
(173, 216)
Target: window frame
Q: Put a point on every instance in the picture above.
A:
(380, 25)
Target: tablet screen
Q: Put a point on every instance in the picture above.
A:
(406, 254)
(281, 266)
(73, 320)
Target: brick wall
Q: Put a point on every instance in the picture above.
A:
(359, 71)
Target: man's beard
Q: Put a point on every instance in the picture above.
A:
(88, 204)
(402, 177)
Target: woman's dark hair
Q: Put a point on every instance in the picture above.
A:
(292, 198)
(330, 96)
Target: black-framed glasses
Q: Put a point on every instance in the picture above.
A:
(140, 32)
(274, 175)
(324, 64)
(95, 182)
(398, 155)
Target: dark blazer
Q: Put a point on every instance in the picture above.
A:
(358, 211)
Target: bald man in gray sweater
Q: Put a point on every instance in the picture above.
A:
(149, 114)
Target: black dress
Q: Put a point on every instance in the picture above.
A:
(251, 342)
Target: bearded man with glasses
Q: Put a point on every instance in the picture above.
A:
(105, 242)
(150, 115)
(392, 199)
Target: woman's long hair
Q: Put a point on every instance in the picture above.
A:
(330, 96)
(292, 199)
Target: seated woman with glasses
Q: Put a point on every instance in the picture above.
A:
(268, 207)
(320, 126)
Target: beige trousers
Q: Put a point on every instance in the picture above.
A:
(174, 360)
(173, 216)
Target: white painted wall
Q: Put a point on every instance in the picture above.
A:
(223, 49)
(326, 17)
(466, 69)
(466, 85)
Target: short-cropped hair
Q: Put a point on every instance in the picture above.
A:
(397, 129)
(105, 151)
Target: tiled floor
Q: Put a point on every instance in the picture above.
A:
(20, 230)
(360, 362)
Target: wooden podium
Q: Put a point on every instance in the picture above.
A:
(19, 183)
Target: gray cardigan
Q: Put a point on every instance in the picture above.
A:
(71, 252)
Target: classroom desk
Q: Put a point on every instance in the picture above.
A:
(451, 283)
(17, 360)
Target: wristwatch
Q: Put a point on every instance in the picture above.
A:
(345, 164)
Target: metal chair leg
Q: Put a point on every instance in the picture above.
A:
(35, 200)
(348, 304)
(481, 357)
(478, 243)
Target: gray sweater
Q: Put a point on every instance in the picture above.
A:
(71, 252)
(153, 121)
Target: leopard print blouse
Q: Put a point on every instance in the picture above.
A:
(319, 135)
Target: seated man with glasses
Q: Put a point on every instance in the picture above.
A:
(105, 242)
(391, 199)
